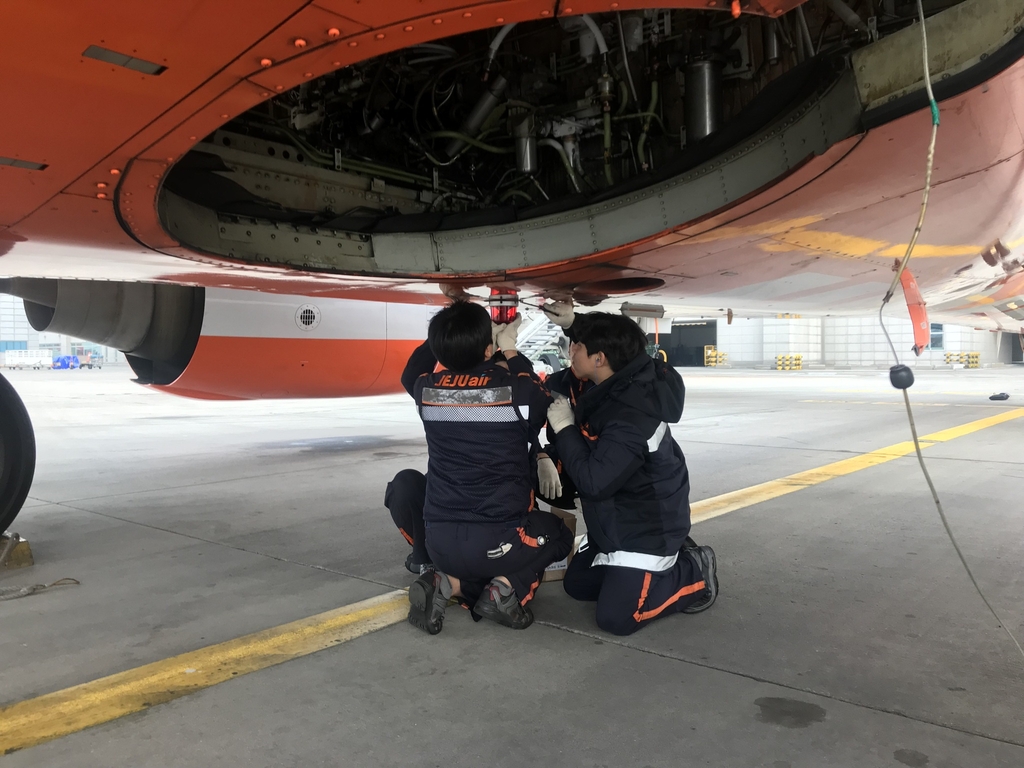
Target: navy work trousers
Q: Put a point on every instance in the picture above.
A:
(404, 499)
(474, 553)
(629, 598)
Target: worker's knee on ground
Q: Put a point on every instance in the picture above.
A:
(411, 479)
(407, 485)
(616, 623)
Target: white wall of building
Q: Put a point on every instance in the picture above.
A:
(858, 342)
(854, 342)
(13, 323)
(743, 340)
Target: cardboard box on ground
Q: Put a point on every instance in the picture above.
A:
(556, 571)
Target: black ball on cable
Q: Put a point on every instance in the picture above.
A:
(901, 377)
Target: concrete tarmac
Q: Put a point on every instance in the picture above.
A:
(846, 632)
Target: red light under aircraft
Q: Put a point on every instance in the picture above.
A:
(189, 182)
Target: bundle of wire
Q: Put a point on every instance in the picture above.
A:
(889, 294)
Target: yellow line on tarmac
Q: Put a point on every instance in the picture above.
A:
(755, 494)
(57, 714)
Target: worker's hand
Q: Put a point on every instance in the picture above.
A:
(547, 475)
(560, 414)
(505, 336)
(560, 313)
(453, 292)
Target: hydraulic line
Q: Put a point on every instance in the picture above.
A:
(848, 15)
(642, 116)
(608, 149)
(359, 166)
(469, 140)
(642, 141)
(889, 294)
(625, 59)
(515, 193)
(540, 189)
(805, 33)
(602, 46)
(565, 161)
(492, 49)
(623, 98)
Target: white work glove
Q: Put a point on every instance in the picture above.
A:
(560, 414)
(560, 313)
(505, 336)
(547, 475)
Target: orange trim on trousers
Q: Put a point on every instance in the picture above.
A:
(527, 539)
(533, 591)
(645, 615)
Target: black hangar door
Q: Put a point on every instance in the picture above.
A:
(685, 345)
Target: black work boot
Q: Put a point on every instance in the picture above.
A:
(499, 603)
(705, 558)
(428, 597)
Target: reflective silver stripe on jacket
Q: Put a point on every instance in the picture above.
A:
(460, 413)
(657, 437)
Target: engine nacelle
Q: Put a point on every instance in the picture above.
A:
(234, 345)
(157, 326)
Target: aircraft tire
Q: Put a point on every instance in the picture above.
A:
(17, 454)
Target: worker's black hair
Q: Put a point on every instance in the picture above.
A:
(459, 335)
(617, 336)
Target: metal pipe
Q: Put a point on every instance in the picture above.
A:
(647, 126)
(800, 45)
(565, 161)
(464, 139)
(602, 46)
(492, 49)
(608, 149)
(526, 146)
(805, 32)
(703, 103)
(848, 15)
(772, 48)
(623, 98)
(483, 107)
(625, 59)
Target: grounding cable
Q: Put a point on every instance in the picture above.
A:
(905, 384)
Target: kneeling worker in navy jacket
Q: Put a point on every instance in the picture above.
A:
(636, 562)
(486, 543)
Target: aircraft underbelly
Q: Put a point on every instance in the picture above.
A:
(846, 217)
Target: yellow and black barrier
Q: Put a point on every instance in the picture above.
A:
(966, 359)
(789, 362)
(713, 358)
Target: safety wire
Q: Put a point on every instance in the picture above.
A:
(889, 294)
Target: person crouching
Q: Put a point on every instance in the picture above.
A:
(636, 561)
(487, 544)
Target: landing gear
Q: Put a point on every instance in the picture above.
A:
(17, 454)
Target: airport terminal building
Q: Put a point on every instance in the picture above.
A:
(829, 342)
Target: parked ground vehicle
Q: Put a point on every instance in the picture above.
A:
(66, 362)
(92, 361)
(28, 358)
